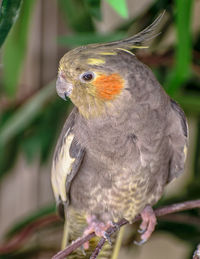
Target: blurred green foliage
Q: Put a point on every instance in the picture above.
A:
(120, 7)
(25, 127)
(8, 15)
(183, 55)
(88, 38)
(82, 21)
(15, 48)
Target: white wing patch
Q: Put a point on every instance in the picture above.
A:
(62, 167)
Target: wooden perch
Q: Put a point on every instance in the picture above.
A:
(159, 212)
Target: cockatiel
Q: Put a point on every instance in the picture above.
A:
(123, 142)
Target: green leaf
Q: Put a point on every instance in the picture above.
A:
(94, 7)
(120, 7)
(8, 153)
(15, 49)
(183, 55)
(77, 15)
(88, 38)
(190, 102)
(8, 15)
(25, 114)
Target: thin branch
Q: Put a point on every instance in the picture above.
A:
(187, 205)
(79, 241)
(17, 241)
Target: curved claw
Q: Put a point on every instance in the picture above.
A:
(140, 242)
(107, 237)
(141, 231)
(148, 223)
(116, 225)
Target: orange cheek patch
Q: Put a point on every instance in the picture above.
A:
(108, 86)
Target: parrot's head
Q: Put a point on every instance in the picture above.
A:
(96, 76)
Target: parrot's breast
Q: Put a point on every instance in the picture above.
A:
(119, 175)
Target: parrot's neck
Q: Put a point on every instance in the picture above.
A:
(93, 108)
(107, 132)
(89, 106)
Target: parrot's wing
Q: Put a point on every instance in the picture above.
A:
(178, 141)
(66, 162)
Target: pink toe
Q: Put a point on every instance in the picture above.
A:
(148, 222)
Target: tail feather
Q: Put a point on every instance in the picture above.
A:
(118, 243)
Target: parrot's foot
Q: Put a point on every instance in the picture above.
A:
(94, 225)
(148, 224)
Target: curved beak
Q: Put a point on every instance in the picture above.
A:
(63, 87)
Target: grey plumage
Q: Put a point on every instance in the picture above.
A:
(150, 117)
(123, 143)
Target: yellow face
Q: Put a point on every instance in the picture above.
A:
(95, 75)
(88, 80)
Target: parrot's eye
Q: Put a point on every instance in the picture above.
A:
(87, 76)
